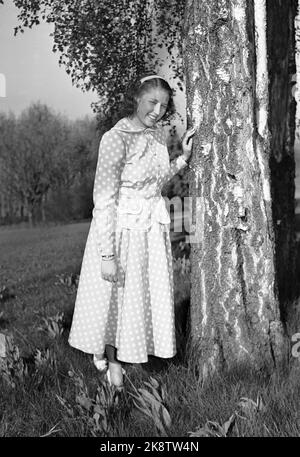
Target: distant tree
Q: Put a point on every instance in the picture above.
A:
(33, 156)
(72, 198)
(9, 189)
(79, 150)
(42, 152)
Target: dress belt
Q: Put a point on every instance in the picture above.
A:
(136, 194)
(146, 210)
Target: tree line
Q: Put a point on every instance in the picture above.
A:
(47, 164)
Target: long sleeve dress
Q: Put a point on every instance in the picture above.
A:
(130, 219)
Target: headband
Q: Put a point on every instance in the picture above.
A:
(150, 77)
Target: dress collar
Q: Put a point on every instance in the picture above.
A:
(126, 125)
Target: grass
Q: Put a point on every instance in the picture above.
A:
(50, 389)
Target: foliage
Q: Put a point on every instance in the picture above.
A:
(150, 402)
(31, 153)
(103, 45)
(12, 367)
(78, 151)
(248, 407)
(42, 153)
(44, 359)
(5, 294)
(169, 21)
(214, 429)
(95, 412)
(53, 326)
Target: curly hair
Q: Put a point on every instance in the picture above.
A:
(137, 89)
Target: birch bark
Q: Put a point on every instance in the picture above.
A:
(235, 313)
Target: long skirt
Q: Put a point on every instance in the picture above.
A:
(136, 313)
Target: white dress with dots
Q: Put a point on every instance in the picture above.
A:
(130, 219)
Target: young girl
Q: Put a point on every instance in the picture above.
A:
(124, 306)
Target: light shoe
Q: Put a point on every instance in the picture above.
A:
(100, 362)
(115, 374)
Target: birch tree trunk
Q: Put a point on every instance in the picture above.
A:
(43, 204)
(235, 313)
(29, 212)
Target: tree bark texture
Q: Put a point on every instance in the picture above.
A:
(235, 315)
(282, 67)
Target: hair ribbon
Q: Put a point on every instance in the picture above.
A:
(146, 78)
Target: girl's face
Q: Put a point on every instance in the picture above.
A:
(151, 106)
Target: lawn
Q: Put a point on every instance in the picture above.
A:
(48, 388)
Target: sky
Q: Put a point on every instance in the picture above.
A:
(30, 70)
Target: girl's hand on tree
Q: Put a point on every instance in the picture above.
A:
(187, 143)
(109, 270)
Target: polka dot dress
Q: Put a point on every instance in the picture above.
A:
(130, 220)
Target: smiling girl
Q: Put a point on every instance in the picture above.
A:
(124, 307)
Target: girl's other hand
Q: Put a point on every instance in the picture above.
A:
(109, 270)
